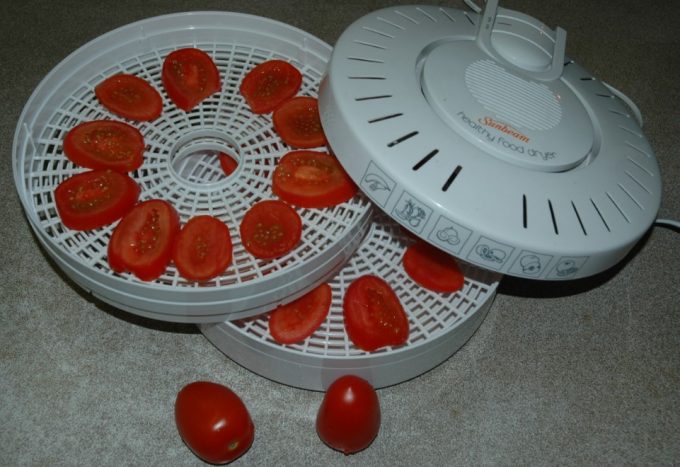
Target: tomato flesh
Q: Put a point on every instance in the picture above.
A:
(432, 269)
(296, 321)
(298, 124)
(269, 85)
(349, 416)
(129, 96)
(142, 241)
(312, 179)
(270, 229)
(189, 76)
(373, 314)
(96, 198)
(213, 421)
(202, 249)
(228, 163)
(105, 144)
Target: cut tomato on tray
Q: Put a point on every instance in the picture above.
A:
(270, 229)
(189, 76)
(298, 124)
(228, 163)
(432, 269)
(373, 314)
(105, 144)
(142, 241)
(203, 248)
(296, 321)
(130, 96)
(312, 179)
(95, 198)
(269, 85)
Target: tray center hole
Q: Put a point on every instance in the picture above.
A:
(205, 158)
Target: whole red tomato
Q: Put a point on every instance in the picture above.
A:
(213, 421)
(349, 417)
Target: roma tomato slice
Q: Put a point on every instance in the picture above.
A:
(130, 96)
(105, 144)
(373, 314)
(228, 163)
(296, 321)
(202, 248)
(142, 241)
(270, 229)
(312, 179)
(95, 198)
(269, 85)
(298, 124)
(432, 268)
(189, 77)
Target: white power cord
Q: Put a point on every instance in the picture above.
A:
(675, 225)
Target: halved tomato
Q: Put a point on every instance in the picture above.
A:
(312, 179)
(270, 229)
(296, 321)
(228, 163)
(374, 316)
(202, 248)
(142, 241)
(269, 85)
(298, 124)
(105, 144)
(130, 96)
(189, 77)
(432, 268)
(93, 199)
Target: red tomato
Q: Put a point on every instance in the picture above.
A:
(95, 198)
(202, 248)
(432, 268)
(227, 163)
(298, 124)
(312, 179)
(373, 314)
(213, 421)
(270, 229)
(189, 77)
(105, 144)
(129, 96)
(298, 320)
(269, 85)
(142, 241)
(349, 417)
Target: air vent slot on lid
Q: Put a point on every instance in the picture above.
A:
(451, 178)
(401, 139)
(425, 159)
(368, 98)
(578, 216)
(552, 216)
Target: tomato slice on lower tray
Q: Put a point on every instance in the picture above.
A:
(433, 269)
(105, 144)
(202, 249)
(298, 124)
(312, 179)
(269, 85)
(95, 198)
(142, 241)
(189, 76)
(296, 321)
(373, 314)
(270, 229)
(228, 163)
(130, 96)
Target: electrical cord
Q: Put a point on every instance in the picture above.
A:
(672, 224)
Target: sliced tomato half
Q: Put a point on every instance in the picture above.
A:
(202, 248)
(296, 321)
(269, 85)
(142, 241)
(105, 144)
(432, 269)
(189, 77)
(130, 96)
(312, 179)
(228, 163)
(373, 314)
(96, 198)
(298, 124)
(270, 229)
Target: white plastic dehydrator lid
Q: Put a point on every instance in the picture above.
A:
(477, 134)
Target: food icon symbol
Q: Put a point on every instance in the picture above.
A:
(448, 235)
(566, 267)
(531, 264)
(490, 254)
(411, 213)
(375, 183)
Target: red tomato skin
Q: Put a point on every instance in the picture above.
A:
(269, 85)
(349, 416)
(105, 144)
(270, 211)
(213, 421)
(296, 321)
(202, 248)
(298, 124)
(228, 163)
(130, 97)
(189, 77)
(432, 269)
